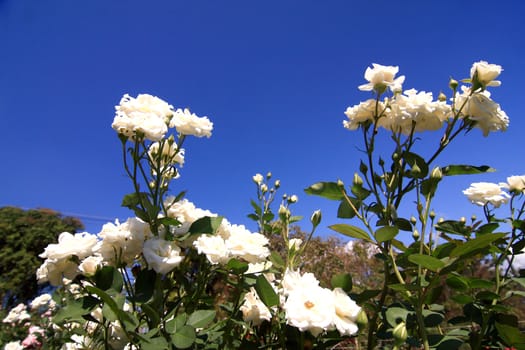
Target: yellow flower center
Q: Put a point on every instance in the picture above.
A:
(308, 304)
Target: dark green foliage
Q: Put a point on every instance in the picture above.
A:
(23, 236)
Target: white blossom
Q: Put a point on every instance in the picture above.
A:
(380, 77)
(252, 247)
(214, 247)
(188, 123)
(253, 309)
(482, 193)
(145, 114)
(346, 311)
(161, 255)
(486, 73)
(480, 108)
(122, 243)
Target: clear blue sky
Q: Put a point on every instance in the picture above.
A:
(274, 76)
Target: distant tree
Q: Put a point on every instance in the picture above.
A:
(23, 236)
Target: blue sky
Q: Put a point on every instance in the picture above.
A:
(274, 77)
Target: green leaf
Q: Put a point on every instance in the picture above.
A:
(511, 335)
(237, 267)
(145, 285)
(74, 310)
(330, 190)
(386, 233)
(481, 283)
(176, 323)
(487, 228)
(256, 207)
(184, 337)
(345, 210)
(432, 319)
(351, 231)
(276, 260)
(154, 344)
(453, 227)
(426, 261)
(458, 282)
(266, 292)
(206, 224)
(519, 280)
(403, 224)
(475, 244)
(109, 277)
(487, 296)
(152, 314)
(343, 281)
(451, 170)
(201, 318)
(395, 315)
(360, 192)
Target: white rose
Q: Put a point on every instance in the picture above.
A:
(482, 193)
(363, 112)
(188, 123)
(310, 309)
(89, 265)
(43, 300)
(415, 110)
(251, 247)
(346, 311)
(17, 314)
(380, 77)
(294, 280)
(253, 309)
(144, 114)
(14, 345)
(480, 108)
(68, 245)
(486, 73)
(515, 183)
(122, 243)
(161, 255)
(185, 212)
(213, 247)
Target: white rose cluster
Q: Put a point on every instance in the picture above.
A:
(307, 306)
(124, 244)
(412, 111)
(150, 117)
(17, 314)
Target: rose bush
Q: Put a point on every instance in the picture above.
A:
(174, 276)
(406, 312)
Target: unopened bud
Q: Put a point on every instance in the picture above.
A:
(436, 173)
(362, 319)
(268, 175)
(315, 219)
(463, 220)
(413, 220)
(453, 84)
(171, 140)
(284, 212)
(264, 188)
(432, 214)
(277, 183)
(293, 199)
(473, 217)
(340, 183)
(358, 181)
(442, 97)
(416, 170)
(441, 220)
(381, 162)
(400, 333)
(415, 234)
